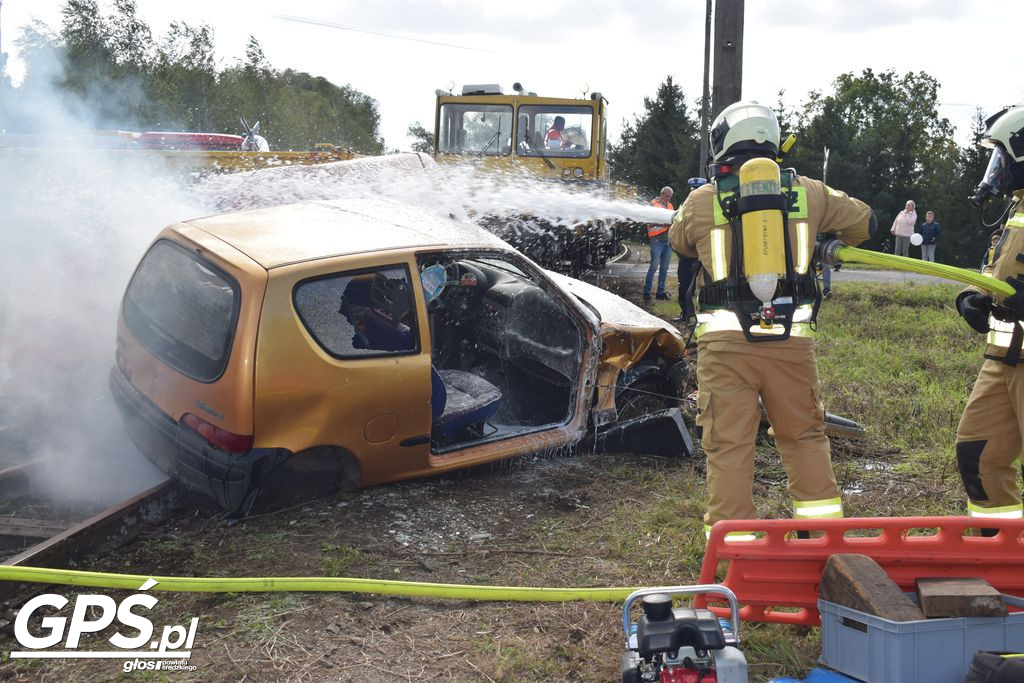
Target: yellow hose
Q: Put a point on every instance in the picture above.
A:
(873, 258)
(69, 577)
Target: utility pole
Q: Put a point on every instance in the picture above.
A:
(728, 81)
(705, 109)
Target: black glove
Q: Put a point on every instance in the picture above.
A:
(975, 308)
(1015, 302)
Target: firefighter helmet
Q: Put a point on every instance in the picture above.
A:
(744, 130)
(1004, 134)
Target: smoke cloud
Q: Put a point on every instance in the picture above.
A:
(75, 221)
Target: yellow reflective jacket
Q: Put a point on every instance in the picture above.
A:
(700, 230)
(1006, 265)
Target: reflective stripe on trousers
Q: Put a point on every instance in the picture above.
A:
(732, 536)
(1005, 512)
(820, 509)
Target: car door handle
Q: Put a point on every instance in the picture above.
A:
(415, 440)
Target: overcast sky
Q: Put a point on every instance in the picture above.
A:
(622, 48)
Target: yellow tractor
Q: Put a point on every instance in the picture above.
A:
(551, 138)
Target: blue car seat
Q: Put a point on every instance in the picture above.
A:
(460, 399)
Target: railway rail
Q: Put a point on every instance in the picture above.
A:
(57, 542)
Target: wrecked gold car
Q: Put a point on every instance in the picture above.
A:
(400, 344)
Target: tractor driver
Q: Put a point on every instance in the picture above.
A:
(752, 345)
(553, 138)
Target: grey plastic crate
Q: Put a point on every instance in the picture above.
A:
(878, 650)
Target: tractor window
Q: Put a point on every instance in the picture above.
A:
(475, 129)
(555, 131)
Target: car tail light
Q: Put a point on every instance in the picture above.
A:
(221, 438)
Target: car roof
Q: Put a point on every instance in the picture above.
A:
(281, 235)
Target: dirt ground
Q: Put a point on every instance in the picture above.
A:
(505, 525)
(562, 520)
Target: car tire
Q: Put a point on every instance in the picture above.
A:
(647, 393)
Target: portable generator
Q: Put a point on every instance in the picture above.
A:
(680, 644)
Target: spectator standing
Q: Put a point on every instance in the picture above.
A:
(930, 234)
(903, 228)
(661, 252)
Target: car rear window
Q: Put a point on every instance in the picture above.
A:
(183, 309)
(361, 313)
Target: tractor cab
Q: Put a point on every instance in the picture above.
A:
(556, 138)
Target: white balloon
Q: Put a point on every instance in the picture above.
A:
(916, 239)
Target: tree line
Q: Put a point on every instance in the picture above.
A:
(113, 71)
(887, 143)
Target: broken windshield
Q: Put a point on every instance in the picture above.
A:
(481, 129)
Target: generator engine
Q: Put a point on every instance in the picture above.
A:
(680, 644)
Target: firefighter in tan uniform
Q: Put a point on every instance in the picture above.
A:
(989, 436)
(754, 230)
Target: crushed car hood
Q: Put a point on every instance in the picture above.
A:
(630, 329)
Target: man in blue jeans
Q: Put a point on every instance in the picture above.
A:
(661, 252)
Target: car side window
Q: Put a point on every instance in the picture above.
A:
(358, 314)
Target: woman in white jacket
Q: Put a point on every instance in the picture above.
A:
(903, 228)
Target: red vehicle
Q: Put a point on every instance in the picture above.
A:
(189, 141)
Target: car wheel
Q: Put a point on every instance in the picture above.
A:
(647, 394)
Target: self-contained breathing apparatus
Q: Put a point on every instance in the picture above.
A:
(762, 287)
(756, 199)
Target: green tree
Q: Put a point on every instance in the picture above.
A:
(131, 41)
(659, 147)
(112, 69)
(255, 79)
(184, 79)
(84, 37)
(887, 143)
(423, 138)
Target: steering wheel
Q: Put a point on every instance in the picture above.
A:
(452, 275)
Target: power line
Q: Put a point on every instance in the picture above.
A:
(329, 24)
(983, 106)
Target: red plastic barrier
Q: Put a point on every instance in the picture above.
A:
(776, 576)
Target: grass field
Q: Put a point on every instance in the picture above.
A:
(897, 359)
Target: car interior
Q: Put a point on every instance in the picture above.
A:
(505, 353)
